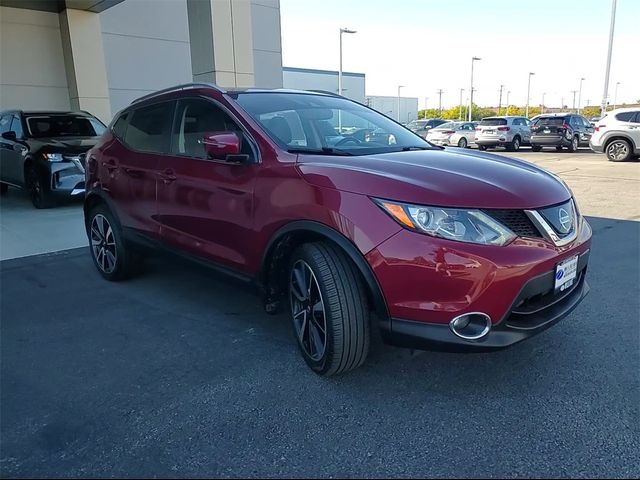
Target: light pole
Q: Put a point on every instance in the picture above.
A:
(473, 59)
(342, 30)
(507, 107)
(573, 105)
(439, 92)
(542, 106)
(615, 96)
(500, 101)
(460, 113)
(580, 95)
(398, 116)
(603, 105)
(526, 110)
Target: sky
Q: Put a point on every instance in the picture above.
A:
(427, 45)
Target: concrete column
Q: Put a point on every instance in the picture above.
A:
(236, 43)
(84, 62)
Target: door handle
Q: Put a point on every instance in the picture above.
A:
(133, 172)
(168, 176)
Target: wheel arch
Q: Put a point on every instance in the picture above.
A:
(274, 260)
(98, 197)
(618, 136)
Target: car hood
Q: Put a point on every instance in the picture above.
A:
(64, 144)
(449, 177)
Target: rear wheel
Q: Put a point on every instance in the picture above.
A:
(618, 150)
(462, 143)
(4, 188)
(110, 255)
(38, 193)
(573, 146)
(559, 148)
(482, 147)
(536, 148)
(328, 308)
(514, 146)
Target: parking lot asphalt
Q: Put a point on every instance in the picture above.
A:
(179, 373)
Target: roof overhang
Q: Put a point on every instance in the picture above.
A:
(57, 6)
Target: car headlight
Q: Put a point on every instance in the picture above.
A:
(462, 225)
(53, 157)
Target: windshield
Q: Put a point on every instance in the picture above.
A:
(492, 122)
(303, 122)
(64, 126)
(556, 121)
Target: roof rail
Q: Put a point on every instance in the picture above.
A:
(178, 88)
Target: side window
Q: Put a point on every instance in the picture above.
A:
(586, 122)
(287, 127)
(517, 122)
(625, 116)
(120, 126)
(149, 128)
(16, 126)
(5, 122)
(636, 119)
(195, 118)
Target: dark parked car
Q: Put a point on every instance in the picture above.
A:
(43, 152)
(421, 127)
(452, 249)
(560, 130)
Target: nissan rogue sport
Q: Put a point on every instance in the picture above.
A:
(432, 247)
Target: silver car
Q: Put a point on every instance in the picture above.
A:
(460, 134)
(618, 134)
(508, 132)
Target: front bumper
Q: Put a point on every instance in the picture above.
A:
(66, 179)
(596, 148)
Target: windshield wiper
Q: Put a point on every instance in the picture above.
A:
(320, 151)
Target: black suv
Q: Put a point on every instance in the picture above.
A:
(560, 130)
(43, 152)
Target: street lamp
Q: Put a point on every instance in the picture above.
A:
(473, 59)
(460, 113)
(500, 101)
(615, 96)
(398, 116)
(440, 92)
(526, 111)
(580, 95)
(342, 30)
(507, 107)
(603, 105)
(542, 106)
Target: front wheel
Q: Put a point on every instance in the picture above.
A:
(573, 146)
(619, 151)
(462, 143)
(482, 147)
(38, 193)
(515, 145)
(328, 308)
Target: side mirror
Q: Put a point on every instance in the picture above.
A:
(223, 146)
(10, 136)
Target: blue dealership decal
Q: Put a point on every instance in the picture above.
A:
(560, 274)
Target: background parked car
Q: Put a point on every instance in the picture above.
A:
(421, 127)
(460, 134)
(618, 134)
(560, 130)
(43, 152)
(508, 132)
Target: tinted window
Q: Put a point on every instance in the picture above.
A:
(636, 119)
(197, 118)
(553, 121)
(120, 126)
(625, 116)
(492, 122)
(41, 126)
(5, 122)
(149, 128)
(16, 126)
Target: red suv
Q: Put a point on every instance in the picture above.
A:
(342, 216)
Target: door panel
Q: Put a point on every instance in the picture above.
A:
(11, 153)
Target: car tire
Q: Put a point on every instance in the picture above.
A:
(462, 143)
(4, 188)
(38, 193)
(482, 147)
(573, 146)
(329, 310)
(514, 146)
(110, 254)
(536, 148)
(618, 150)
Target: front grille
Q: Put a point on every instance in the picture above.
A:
(516, 221)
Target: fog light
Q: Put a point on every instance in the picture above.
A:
(471, 326)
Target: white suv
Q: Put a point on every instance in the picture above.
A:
(618, 134)
(508, 132)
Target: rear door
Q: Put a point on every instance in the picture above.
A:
(587, 131)
(205, 205)
(634, 130)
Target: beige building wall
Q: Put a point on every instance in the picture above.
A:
(32, 73)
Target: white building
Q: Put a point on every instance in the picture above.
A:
(353, 84)
(389, 107)
(98, 55)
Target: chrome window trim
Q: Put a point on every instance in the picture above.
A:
(548, 231)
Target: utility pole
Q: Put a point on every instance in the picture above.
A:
(460, 113)
(603, 105)
(580, 95)
(542, 106)
(500, 101)
(573, 107)
(507, 107)
(526, 111)
(439, 92)
(473, 59)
